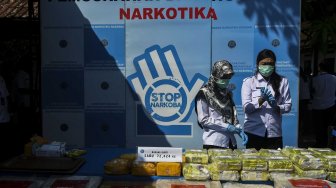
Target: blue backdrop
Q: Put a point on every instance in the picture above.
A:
(125, 74)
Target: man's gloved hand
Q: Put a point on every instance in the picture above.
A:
(233, 129)
(244, 137)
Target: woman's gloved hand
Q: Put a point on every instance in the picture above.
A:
(238, 130)
(272, 102)
(233, 129)
(265, 93)
(244, 137)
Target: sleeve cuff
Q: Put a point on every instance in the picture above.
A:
(223, 125)
(256, 106)
(282, 109)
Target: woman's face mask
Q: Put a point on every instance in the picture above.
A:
(222, 83)
(266, 67)
(266, 70)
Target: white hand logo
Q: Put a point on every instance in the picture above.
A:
(161, 83)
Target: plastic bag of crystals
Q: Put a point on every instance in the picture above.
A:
(279, 164)
(193, 171)
(254, 175)
(241, 185)
(226, 163)
(318, 174)
(199, 156)
(225, 175)
(254, 163)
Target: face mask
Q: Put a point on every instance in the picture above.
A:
(266, 70)
(222, 83)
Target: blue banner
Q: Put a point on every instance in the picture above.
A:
(167, 62)
(129, 70)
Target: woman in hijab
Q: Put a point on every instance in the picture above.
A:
(265, 97)
(216, 111)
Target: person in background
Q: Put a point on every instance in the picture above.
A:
(304, 104)
(21, 87)
(265, 97)
(216, 111)
(323, 104)
(21, 106)
(5, 127)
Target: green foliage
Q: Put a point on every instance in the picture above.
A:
(319, 24)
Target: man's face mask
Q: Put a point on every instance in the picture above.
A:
(266, 70)
(222, 83)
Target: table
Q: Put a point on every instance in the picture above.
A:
(96, 158)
